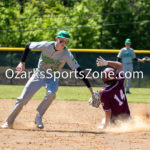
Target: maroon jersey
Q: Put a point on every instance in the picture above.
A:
(113, 98)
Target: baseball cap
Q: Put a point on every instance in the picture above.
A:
(128, 41)
(63, 34)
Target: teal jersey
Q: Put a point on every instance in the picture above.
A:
(52, 59)
(127, 55)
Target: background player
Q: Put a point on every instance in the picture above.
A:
(113, 96)
(54, 55)
(126, 56)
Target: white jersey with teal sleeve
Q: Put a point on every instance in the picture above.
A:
(52, 59)
(127, 55)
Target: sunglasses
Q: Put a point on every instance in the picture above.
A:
(62, 41)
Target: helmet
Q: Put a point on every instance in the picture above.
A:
(63, 34)
(128, 41)
(108, 75)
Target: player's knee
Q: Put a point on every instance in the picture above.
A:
(22, 101)
(50, 96)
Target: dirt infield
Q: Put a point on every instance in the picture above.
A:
(73, 125)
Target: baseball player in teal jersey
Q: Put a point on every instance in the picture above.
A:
(54, 55)
(126, 56)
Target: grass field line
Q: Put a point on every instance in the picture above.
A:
(72, 93)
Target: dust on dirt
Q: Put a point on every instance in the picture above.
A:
(138, 122)
(71, 125)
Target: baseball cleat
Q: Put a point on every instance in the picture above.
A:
(128, 92)
(102, 124)
(6, 126)
(38, 122)
(100, 127)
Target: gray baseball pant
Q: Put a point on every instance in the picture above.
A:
(32, 86)
(128, 69)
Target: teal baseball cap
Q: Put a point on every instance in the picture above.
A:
(128, 41)
(63, 34)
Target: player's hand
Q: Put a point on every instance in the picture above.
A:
(144, 59)
(20, 67)
(101, 62)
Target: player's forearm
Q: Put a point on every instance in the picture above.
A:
(116, 65)
(91, 90)
(102, 62)
(140, 60)
(81, 74)
(25, 53)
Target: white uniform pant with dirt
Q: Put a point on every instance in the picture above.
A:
(32, 86)
(128, 69)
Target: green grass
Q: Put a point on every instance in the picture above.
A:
(139, 95)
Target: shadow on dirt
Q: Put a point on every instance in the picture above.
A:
(63, 131)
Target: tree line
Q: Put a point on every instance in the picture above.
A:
(91, 23)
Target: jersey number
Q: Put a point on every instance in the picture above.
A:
(120, 101)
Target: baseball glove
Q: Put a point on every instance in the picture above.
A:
(95, 99)
(146, 59)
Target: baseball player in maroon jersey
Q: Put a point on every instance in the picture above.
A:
(113, 96)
